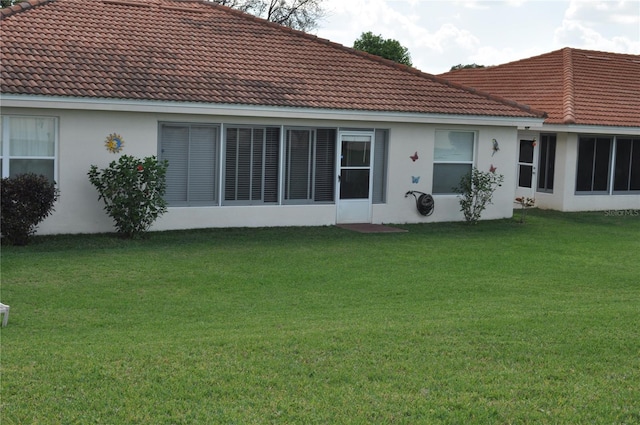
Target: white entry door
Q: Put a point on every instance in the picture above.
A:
(355, 178)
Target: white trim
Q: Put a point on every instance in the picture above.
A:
(585, 129)
(124, 105)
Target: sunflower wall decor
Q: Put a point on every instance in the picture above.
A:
(114, 143)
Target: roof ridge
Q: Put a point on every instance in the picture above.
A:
(19, 7)
(568, 88)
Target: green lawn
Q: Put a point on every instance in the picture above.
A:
(499, 323)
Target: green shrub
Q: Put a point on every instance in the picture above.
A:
(132, 190)
(476, 191)
(27, 199)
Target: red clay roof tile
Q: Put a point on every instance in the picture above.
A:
(196, 51)
(573, 86)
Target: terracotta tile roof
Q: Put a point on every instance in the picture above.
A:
(573, 86)
(195, 51)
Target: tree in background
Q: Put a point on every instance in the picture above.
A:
(7, 3)
(302, 15)
(470, 66)
(386, 48)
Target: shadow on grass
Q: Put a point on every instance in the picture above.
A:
(537, 221)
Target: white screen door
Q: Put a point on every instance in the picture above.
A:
(527, 155)
(354, 178)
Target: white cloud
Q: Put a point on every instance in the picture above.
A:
(577, 34)
(596, 10)
(489, 55)
(442, 33)
(598, 25)
(473, 4)
(447, 36)
(626, 19)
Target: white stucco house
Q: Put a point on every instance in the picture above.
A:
(586, 154)
(262, 125)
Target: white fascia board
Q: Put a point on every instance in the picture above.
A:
(585, 129)
(124, 105)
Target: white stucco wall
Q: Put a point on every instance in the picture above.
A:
(406, 140)
(81, 143)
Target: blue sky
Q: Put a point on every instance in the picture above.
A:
(440, 34)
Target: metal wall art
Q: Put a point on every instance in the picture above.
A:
(496, 147)
(114, 143)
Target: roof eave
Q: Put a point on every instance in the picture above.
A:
(126, 105)
(587, 129)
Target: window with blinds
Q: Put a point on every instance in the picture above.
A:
(249, 172)
(310, 165)
(192, 153)
(453, 159)
(251, 165)
(28, 145)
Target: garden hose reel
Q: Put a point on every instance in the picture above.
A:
(424, 202)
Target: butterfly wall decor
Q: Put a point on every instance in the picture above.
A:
(415, 179)
(414, 157)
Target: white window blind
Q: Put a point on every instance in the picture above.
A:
(251, 165)
(192, 152)
(310, 165)
(453, 159)
(29, 145)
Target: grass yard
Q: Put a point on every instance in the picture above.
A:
(499, 323)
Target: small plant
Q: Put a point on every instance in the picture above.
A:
(475, 191)
(132, 190)
(27, 199)
(524, 203)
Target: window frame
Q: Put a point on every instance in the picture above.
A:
(546, 171)
(611, 164)
(595, 163)
(5, 145)
(216, 163)
(263, 178)
(436, 162)
(633, 168)
(380, 166)
(322, 176)
(312, 171)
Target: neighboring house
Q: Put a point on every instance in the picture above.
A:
(262, 125)
(586, 155)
